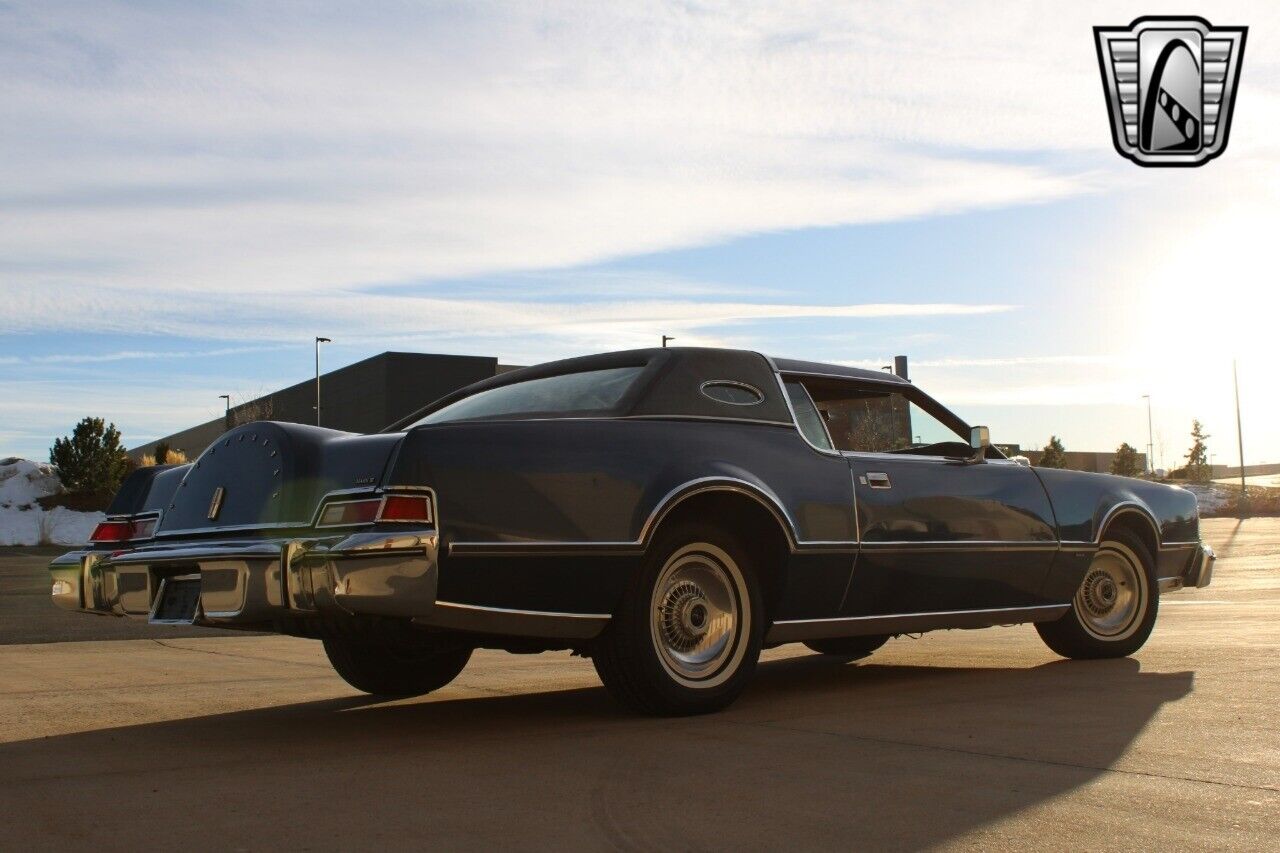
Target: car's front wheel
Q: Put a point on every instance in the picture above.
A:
(395, 667)
(687, 636)
(1115, 607)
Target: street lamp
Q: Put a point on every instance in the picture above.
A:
(1244, 493)
(319, 341)
(666, 338)
(1151, 461)
(226, 415)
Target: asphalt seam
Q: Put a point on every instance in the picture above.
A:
(1022, 758)
(238, 656)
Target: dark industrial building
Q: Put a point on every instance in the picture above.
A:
(363, 397)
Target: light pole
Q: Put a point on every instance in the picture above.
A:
(666, 338)
(1151, 447)
(226, 415)
(319, 341)
(1244, 494)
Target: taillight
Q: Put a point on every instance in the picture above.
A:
(405, 508)
(112, 531)
(343, 513)
(394, 508)
(123, 531)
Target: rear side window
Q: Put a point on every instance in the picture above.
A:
(588, 391)
(807, 417)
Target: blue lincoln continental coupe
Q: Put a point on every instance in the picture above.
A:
(667, 512)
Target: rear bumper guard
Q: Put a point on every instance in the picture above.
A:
(251, 584)
(245, 583)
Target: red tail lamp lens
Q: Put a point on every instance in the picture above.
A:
(406, 508)
(123, 531)
(112, 531)
(350, 512)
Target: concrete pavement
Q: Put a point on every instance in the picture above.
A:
(960, 739)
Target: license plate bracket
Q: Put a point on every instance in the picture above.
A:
(177, 601)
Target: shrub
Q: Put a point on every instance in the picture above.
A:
(176, 457)
(146, 461)
(1055, 455)
(1125, 462)
(91, 460)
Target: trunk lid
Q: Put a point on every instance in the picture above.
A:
(269, 474)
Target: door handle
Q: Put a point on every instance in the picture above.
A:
(878, 480)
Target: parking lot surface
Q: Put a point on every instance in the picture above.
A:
(959, 739)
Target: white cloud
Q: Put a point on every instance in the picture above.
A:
(384, 318)
(227, 148)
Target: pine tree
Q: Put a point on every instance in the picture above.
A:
(91, 460)
(1125, 462)
(1198, 455)
(1054, 455)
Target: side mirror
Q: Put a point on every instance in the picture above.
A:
(979, 441)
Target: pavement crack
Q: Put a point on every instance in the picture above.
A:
(237, 656)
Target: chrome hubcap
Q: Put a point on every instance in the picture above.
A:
(697, 615)
(1112, 597)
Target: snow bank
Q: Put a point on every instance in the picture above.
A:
(1208, 497)
(23, 521)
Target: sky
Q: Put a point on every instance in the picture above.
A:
(190, 192)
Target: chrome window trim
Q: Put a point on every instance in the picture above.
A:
(896, 381)
(795, 421)
(731, 383)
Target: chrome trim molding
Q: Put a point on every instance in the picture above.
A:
(795, 421)
(732, 383)
(962, 545)
(478, 619)
(668, 502)
(1125, 506)
(556, 614)
(796, 630)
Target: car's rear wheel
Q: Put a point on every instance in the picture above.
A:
(849, 648)
(1114, 609)
(687, 636)
(399, 667)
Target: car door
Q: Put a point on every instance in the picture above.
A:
(937, 530)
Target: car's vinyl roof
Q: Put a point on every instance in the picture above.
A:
(791, 365)
(675, 373)
(640, 356)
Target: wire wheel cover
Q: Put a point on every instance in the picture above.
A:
(1113, 595)
(698, 616)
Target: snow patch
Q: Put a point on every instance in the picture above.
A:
(25, 522)
(1208, 498)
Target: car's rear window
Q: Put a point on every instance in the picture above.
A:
(587, 391)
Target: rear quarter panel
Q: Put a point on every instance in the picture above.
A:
(585, 482)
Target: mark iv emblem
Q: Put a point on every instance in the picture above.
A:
(215, 503)
(1170, 85)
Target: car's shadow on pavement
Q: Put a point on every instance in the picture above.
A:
(816, 752)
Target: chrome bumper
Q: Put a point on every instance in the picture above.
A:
(247, 583)
(253, 584)
(1200, 571)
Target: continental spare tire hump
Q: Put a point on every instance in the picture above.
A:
(272, 474)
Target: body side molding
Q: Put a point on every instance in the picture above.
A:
(798, 630)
